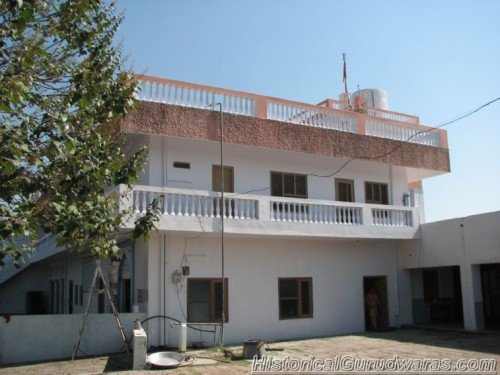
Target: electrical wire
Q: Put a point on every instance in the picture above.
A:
(385, 154)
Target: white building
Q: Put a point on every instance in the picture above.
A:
(303, 244)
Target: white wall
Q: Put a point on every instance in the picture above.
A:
(470, 240)
(47, 337)
(253, 266)
(13, 291)
(252, 167)
(466, 242)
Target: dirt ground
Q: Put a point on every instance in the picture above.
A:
(406, 343)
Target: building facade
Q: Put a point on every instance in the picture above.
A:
(322, 203)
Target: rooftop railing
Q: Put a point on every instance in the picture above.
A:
(329, 114)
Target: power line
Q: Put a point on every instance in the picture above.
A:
(391, 150)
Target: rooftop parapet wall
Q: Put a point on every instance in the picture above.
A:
(330, 114)
(202, 124)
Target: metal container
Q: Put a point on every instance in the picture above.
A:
(252, 348)
(165, 359)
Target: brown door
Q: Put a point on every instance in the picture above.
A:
(375, 303)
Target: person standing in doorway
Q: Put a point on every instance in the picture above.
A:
(373, 303)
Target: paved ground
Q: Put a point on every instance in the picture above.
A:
(406, 343)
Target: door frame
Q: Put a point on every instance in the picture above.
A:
(384, 301)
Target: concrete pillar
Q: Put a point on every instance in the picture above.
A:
(154, 264)
(417, 197)
(140, 348)
(470, 278)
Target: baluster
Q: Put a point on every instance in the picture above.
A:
(185, 209)
(230, 203)
(198, 211)
(251, 211)
(205, 207)
(244, 209)
(162, 99)
(217, 207)
(165, 205)
(303, 213)
(143, 201)
(137, 201)
(154, 96)
(172, 204)
(237, 205)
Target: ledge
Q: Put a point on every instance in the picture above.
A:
(178, 121)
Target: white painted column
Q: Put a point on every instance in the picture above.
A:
(153, 327)
(417, 196)
(470, 278)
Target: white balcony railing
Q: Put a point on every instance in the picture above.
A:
(171, 93)
(259, 214)
(197, 204)
(316, 213)
(392, 217)
(409, 134)
(330, 114)
(311, 116)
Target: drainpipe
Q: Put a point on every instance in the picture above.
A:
(391, 190)
(164, 286)
(132, 286)
(396, 285)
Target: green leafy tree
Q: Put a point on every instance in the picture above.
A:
(63, 90)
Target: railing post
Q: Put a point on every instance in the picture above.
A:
(444, 139)
(361, 127)
(261, 108)
(263, 209)
(367, 215)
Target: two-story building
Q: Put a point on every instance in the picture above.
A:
(319, 200)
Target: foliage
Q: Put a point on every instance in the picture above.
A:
(63, 90)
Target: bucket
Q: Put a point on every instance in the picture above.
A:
(252, 348)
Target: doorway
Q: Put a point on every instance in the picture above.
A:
(490, 280)
(375, 288)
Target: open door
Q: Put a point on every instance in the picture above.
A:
(375, 303)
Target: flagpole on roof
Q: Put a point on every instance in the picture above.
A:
(344, 76)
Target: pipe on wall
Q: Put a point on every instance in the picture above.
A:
(396, 284)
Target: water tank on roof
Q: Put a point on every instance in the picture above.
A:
(376, 98)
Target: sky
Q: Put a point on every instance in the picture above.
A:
(436, 59)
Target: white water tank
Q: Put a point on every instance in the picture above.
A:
(376, 98)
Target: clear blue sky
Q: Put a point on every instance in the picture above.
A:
(436, 59)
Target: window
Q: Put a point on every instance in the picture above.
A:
(295, 298)
(288, 185)
(344, 190)
(182, 164)
(204, 300)
(228, 179)
(376, 193)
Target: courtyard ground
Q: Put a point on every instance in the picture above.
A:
(406, 343)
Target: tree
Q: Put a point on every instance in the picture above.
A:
(63, 89)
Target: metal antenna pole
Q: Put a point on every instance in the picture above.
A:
(222, 224)
(223, 213)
